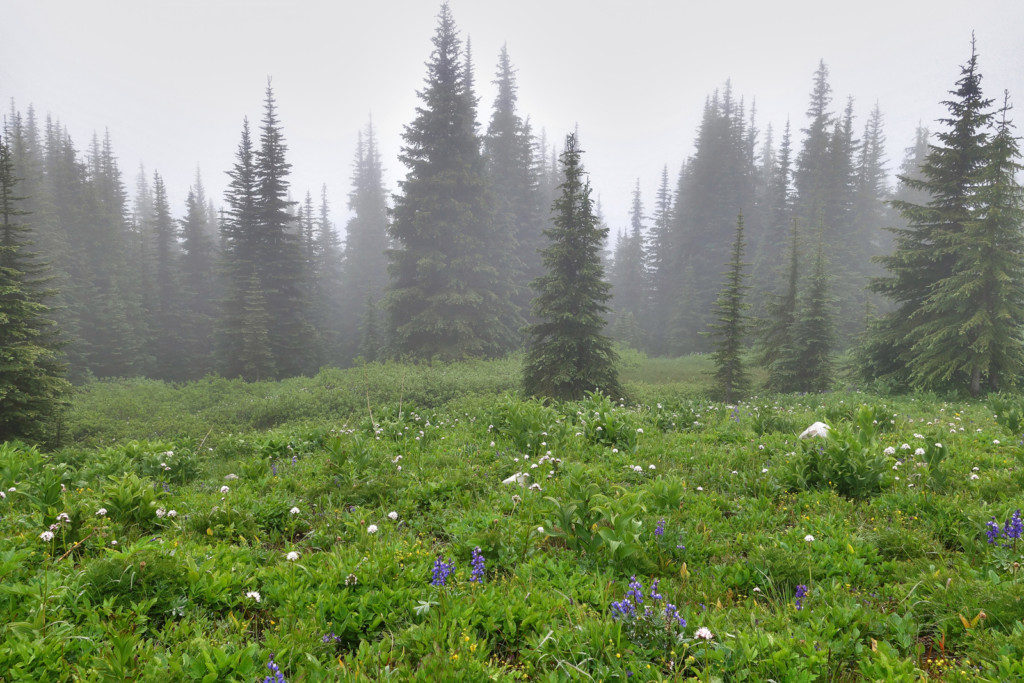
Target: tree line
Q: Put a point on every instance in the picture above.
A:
(493, 243)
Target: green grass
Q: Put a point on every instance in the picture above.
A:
(897, 573)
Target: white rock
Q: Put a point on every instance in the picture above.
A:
(517, 478)
(817, 429)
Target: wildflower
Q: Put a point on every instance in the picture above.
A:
(764, 470)
(809, 538)
(102, 512)
(651, 467)
(889, 450)
(478, 566)
(161, 513)
(919, 452)
(995, 441)
(293, 511)
(292, 556)
(1014, 526)
(672, 612)
(992, 530)
(636, 590)
(655, 595)
(393, 516)
(540, 530)
(276, 675)
(535, 487)
(230, 477)
(801, 593)
(704, 633)
(660, 529)
(47, 536)
(442, 570)
(905, 447)
(254, 595)
(172, 513)
(351, 580)
(225, 489)
(372, 529)
(974, 476)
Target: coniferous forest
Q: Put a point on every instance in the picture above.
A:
(847, 275)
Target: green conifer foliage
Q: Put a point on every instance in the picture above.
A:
(568, 354)
(953, 261)
(31, 374)
(814, 334)
(443, 301)
(778, 346)
(731, 324)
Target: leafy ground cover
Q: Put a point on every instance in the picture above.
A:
(665, 536)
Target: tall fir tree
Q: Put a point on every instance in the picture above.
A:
(814, 333)
(516, 190)
(330, 287)
(198, 295)
(779, 352)
(718, 182)
(443, 300)
(629, 277)
(32, 384)
(243, 349)
(933, 339)
(364, 275)
(975, 317)
(568, 354)
(731, 325)
(167, 321)
(660, 257)
(280, 263)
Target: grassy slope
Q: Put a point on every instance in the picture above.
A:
(890, 570)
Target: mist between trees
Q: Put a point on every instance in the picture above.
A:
(916, 285)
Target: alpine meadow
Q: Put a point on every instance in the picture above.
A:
(591, 366)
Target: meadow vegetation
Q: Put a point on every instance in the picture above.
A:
(354, 525)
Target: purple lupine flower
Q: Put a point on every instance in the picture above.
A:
(275, 671)
(442, 570)
(636, 590)
(1014, 526)
(801, 593)
(660, 529)
(478, 566)
(623, 609)
(654, 590)
(672, 612)
(992, 530)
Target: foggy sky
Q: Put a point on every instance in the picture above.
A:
(172, 80)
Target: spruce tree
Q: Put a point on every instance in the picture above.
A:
(778, 344)
(279, 256)
(167, 319)
(197, 287)
(443, 300)
(731, 381)
(973, 319)
(516, 192)
(244, 350)
(32, 382)
(364, 274)
(660, 256)
(568, 355)
(330, 288)
(919, 344)
(814, 334)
